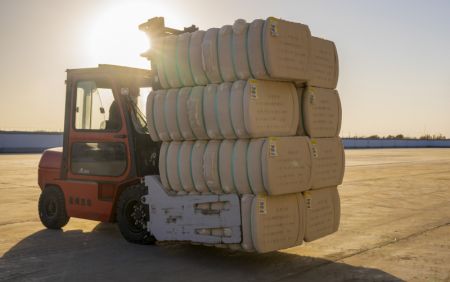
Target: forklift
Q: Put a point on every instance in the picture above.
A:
(99, 172)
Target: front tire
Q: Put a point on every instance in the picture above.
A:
(133, 215)
(52, 208)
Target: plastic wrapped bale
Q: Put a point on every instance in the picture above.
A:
(170, 62)
(149, 113)
(277, 222)
(182, 58)
(195, 112)
(328, 162)
(210, 109)
(324, 63)
(285, 47)
(195, 57)
(323, 212)
(159, 115)
(157, 61)
(182, 113)
(286, 165)
(239, 49)
(172, 166)
(171, 113)
(210, 59)
(197, 153)
(223, 110)
(224, 42)
(211, 166)
(322, 112)
(270, 108)
(184, 166)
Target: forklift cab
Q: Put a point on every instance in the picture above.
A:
(105, 131)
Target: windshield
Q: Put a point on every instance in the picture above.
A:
(95, 108)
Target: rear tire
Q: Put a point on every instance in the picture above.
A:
(52, 208)
(133, 215)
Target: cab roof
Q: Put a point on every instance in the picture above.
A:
(115, 71)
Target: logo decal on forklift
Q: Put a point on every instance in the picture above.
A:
(80, 201)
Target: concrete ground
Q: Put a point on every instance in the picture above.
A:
(395, 225)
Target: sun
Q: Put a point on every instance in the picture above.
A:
(116, 39)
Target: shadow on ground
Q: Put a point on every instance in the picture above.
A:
(103, 255)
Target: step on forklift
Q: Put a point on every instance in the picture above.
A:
(107, 169)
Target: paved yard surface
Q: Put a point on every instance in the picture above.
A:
(395, 225)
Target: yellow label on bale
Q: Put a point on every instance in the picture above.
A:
(273, 152)
(315, 152)
(261, 205)
(273, 26)
(253, 88)
(308, 199)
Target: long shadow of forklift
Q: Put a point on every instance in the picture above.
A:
(102, 254)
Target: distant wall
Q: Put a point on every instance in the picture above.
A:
(28, 142)
(35, 142)
(350, 143)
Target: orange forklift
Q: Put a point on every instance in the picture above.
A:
(99, 172)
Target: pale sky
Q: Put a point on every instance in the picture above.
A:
(394, 55)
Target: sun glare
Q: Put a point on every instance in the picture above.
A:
(115, 38)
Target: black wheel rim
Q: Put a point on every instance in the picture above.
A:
(136, 216)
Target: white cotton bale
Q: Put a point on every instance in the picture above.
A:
(328, 162)
(323, 211)
(195, 112)
(182, 114)
(159, 115)
(184, 166)
(162, 164)
(169, 60)
(197, 153)
(210, 59)
(324, 63)
(223, 110)
(237, 108)
(150, 118)
(286, 48)
(240, 59)
(225, 53)
(195, 57)
(172, 166)
(322, 112)
(254, 166)
(286, 165)
(158, 52)
(210, 107)
(255, 51)
(211, 166)
(277, 222)
(225, 166)
(171, 114)
(270, 108)
(182, 58)
(239, 166)
(246, 214)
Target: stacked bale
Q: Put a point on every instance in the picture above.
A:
(251, 109)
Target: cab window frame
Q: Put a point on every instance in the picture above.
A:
(125, 160)
(115, 96)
